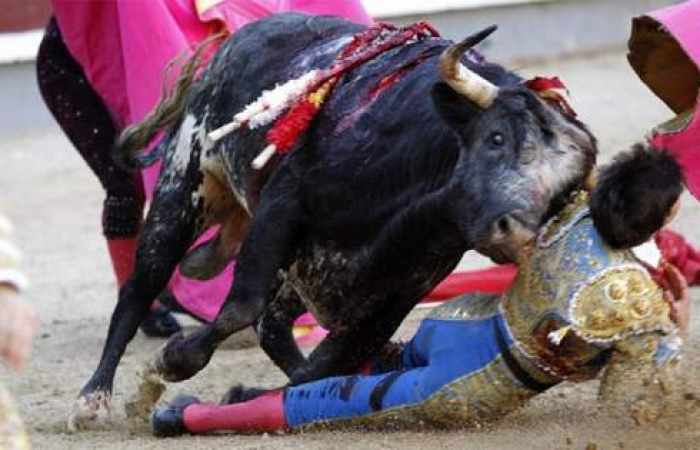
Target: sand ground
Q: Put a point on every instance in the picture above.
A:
(55, 201)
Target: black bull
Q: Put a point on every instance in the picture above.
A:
(373, 208)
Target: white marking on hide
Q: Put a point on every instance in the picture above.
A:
(209, 162)
(333, 46)
(555, 167)
(183, 149)
(556, 171)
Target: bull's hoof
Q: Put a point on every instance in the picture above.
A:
(90, 410)
(181, 358)
(170, 420)
(160, 323)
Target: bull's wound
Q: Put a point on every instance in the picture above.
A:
(389, 176)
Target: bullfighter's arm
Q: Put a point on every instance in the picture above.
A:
(637, 379)
(638, 376)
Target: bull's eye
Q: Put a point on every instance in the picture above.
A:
(497, 139)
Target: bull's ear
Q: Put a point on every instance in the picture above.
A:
(454, 109)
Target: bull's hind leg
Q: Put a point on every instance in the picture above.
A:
(268, 246)
(171, 226)
(169, 229)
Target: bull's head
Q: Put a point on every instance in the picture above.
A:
(519, 159)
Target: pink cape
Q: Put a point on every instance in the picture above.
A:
(124, 48)
(665, 53)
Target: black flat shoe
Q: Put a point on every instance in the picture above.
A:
(169, 420)
(160, 323)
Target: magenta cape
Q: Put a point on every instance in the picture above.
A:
(665, 53)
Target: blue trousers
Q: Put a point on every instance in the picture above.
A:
(439, 353)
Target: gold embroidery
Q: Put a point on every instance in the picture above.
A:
(572, 278)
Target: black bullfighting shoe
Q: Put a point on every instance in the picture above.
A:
(160, 323)
(169, 420)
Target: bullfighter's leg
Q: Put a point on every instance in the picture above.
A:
(343, 352)
(84, 118)
(434, 357)
(268, 247)
(393, 357)
(170, 228)
(275, 330)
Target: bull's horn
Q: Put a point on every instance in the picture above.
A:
(462, 79)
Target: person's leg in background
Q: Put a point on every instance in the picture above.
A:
(89, 126)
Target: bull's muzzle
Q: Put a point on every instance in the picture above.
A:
(510, 235)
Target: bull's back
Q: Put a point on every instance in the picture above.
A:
(276, 49)
(256, 58)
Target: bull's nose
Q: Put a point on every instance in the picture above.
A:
(512, 229)
(510, 240)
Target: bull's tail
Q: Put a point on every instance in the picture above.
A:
(167, 112)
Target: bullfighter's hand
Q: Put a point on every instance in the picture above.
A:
(675, 288)
(18, 323)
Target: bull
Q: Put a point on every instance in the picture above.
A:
(376, 204)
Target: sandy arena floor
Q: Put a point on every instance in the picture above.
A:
(55, 201)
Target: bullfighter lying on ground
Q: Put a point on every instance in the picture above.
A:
(577, 307)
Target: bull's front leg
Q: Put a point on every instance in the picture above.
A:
(267, 248)
(170, 228)
(413, 252)
(344, 351)
(275, 329)
(409, 257)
